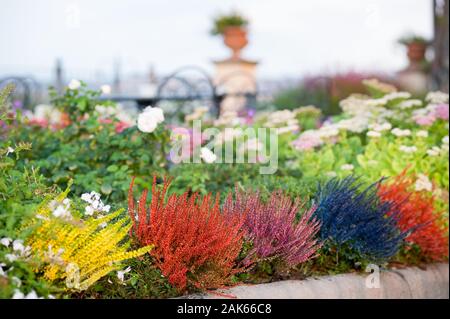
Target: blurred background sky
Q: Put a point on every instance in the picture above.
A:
(290, 38)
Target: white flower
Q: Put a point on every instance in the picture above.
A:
(11, 257)
(63, 212)
(207, 155)
(149, 119)
(74, 84)
(18, 245)
(408, 149)
(381, 127)
(155, 112)
(373, 134)
(434, 151)
(437, 97)
(121, 273)
(423, 183)
(397, 95)
(86, 197)
(95, 195)
(20, 295)
(2, 272)
(409, 104)
(89, 211)
(106, 208)
(422, 133)
(16, 281)
(96, 204)
(347, 167)
(5, 241)
(106, 89)
(9, 150)
(399, 132)
(445, 140)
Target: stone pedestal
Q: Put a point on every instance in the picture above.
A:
(414, 81)
(235, 77)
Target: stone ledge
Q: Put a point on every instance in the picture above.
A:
(408, 283)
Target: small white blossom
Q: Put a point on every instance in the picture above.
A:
(422, 133)
(408, 149)
(86, 197)
(347, 167)
(373, 134)
(149, 119)
(74, 84)
(437, 97)
(9, 150)
(18, 245)
(106, 89)
(382, 127)
(445, 140)
(434, 151)
(11, 257)
(423, 183)
(20, 295)
(16, 281)
(121, 273)
(409, 104)
(5, 241)
(400, 133)
(89, 211)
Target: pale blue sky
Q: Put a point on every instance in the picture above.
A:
(289, 37)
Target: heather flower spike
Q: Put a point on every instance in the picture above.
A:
(353, 215)
(273, 229)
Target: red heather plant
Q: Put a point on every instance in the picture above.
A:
(416, 215)
(273, 228)
(194, 243)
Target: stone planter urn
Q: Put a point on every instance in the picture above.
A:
(416, 52)
(236, 39)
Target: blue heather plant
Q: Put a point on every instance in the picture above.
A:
(353, 215)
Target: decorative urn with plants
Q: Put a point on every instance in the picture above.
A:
(416, 48)
(233, 28)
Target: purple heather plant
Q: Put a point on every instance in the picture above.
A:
(274, 228)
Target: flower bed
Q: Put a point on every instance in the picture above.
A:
(94, 206)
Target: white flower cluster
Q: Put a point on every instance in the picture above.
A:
(347, 167)
(408, 104)
(61, 209)
(31, 295)
(19, 251)
(149, 119)
(74, 84)
(95, 206)
(423, 183)
(408, 149)
(437, 97)
(401, 133)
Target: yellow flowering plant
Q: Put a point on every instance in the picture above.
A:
(79, 250)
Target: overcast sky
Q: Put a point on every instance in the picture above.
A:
(288, 37)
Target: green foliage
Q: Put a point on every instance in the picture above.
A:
(233, 19)
(90, 151)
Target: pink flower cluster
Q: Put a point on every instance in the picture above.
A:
(307, 142)
(440, 112)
